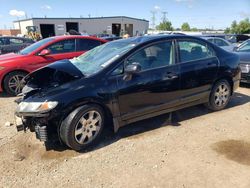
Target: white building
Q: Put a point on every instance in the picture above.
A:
(111, 25)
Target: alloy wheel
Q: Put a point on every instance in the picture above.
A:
(15, 83)
(88, 127)
(221, 95)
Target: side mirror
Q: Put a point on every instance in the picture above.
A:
(130, 70)
(133, 68)
(44, 52)
(234, 48)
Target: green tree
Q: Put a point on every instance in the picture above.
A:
(234, 27)
(227, 30)
(165, 26)
(185, 27)
(194, 29)
(244, 26)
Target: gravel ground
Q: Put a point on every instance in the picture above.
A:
(199, 149)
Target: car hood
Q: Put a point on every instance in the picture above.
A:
(244, 57)
(9, 56)
(51, 76)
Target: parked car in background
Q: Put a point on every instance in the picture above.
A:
(10, 44)
(221, 43)
(244, 52)
(125, 80)
(241, 38)
(15, 66)
(111, 38)
(232, 38)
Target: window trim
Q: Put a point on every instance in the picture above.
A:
(197, 41)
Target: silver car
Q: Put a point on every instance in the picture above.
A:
(226, 45)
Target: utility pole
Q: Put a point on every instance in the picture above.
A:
(153, 12)
(164, 16)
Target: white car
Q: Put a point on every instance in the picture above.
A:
(226, 45)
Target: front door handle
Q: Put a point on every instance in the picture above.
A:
(170, 76)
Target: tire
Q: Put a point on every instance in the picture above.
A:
(219, 96)
(13, 82)
(77, 128)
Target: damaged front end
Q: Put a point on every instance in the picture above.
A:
(35, 116)
(38, 108)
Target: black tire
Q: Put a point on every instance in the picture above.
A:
(9, 79)
(216, 102)
(72, 121)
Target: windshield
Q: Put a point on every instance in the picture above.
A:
(96, 59)
(34, 46)
(244, 47)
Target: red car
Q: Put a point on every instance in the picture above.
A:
(15, 66)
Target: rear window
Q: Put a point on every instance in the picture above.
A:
(87, 44)
(194, 50)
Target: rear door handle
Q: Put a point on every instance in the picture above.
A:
(170, 76)
(211, 64)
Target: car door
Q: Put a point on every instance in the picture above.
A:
(155, 87)
(64, 49)
(198, 67)
(83, 45)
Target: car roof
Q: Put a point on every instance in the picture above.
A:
(213, 38)
(13, 37)
(148, 38)
(76, 36)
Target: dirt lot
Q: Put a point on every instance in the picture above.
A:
(199, 149)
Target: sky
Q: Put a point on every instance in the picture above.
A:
(214, 14)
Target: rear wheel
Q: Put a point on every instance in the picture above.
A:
(220, 95)
(13, 84)
(83, 127)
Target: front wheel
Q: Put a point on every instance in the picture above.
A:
(83, 127)
(13, 83)
(219, 96)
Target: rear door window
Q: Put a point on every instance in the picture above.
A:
(194, 50)
(64, 46)
(87, 44)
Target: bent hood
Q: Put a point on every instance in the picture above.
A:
(51, 76)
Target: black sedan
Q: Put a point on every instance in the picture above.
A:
(125, 81)
(244, 52)
(13, 44)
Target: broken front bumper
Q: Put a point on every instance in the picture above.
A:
(34, 125)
